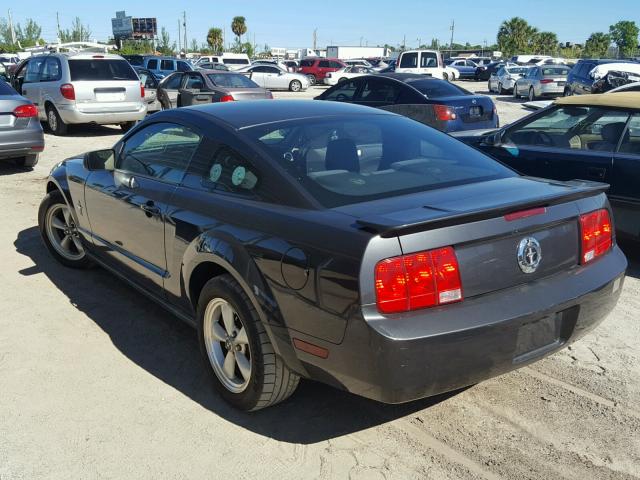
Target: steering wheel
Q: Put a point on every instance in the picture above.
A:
(544, 138)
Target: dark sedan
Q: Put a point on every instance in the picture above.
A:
(594, 137)
(184, 89)
(432, 101)
(484, 72)
(338, 243)
(21, 135)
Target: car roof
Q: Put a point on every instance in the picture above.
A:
(258, 112)
(619, 100)
(406, 77)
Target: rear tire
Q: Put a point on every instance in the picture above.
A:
(28, 161)
(295, 85)
(243, 365)
(567, 92)
(55, 123)
(532, 94)
(59, 232)
(501, 90)
(515, 91)
(445, 76)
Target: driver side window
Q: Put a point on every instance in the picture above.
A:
(344, 92)
(161, 150)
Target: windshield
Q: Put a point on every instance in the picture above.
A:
(235, 61)
(438, 88)
(345, 160)
(101, 69)
(232, 80)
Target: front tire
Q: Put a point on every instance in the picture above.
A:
(234, 344)
(445, 76)
(312, 79)
(55, 123)
(126, 126)
(501, 90)
(295, 85)
(532, 95)
(515, 91)
(60, 233)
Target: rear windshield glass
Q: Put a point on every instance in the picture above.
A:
(232, 80)
(353, 159)
(521, 70)
(5, 88)
(235, 61)
(101, 69)
(437, 88)
(555, 71)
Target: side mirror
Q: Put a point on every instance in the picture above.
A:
(493, 139)
(100, 160)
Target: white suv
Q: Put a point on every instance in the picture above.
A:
(424, 62)
(81, 88)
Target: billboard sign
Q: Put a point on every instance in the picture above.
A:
(122, 26)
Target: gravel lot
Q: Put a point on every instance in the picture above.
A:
(99, 382)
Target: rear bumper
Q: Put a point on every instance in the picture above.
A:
(20, 142)
(404, 357)
(551, 89)
(104, 116)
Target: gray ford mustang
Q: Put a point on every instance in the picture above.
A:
(338, 243)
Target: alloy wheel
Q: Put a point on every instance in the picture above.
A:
(62, 232)
(227, 345)
(52, 120)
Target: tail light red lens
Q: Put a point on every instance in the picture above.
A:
(444, 113)
(68, 91)
(547, 80)
(25, 111)
(419, 280)
(596, 236)
(227, 98)
(141, 90)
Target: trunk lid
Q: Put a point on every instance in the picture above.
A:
(248, 93)
(469, 108)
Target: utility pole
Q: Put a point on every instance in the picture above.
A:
(404, 42)
(360, 41)
(315, 38)
(179, 36)
(13, 34)
(184, 24)
(58, 23)
(452, 28)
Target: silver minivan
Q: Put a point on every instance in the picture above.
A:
(81, 88)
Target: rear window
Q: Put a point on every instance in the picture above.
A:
(6, 89)
(438, 88)
(235, 61)
(307, 63)
(546, 71)
(359, 158)
(409, 60)
(101, 69)
(232, 80)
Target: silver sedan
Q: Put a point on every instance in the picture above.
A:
(21, 136)
(503, 80)
(272, 77)
(542, 81)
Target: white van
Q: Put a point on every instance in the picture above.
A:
(234, 61)
(424, 62)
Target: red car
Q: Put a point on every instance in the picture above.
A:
(317, 68)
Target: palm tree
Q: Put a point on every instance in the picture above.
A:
(215, 39)
(546, 43)
(516, 36)
(239, 27)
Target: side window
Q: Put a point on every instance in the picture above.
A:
(173, 82)
(335, 64)
(324, 64)
(194, 82)
(33, 70)
(183, 67)
(501, 72)
(379, 91)
(167, 65)
(429, 60)
(161, 150)
(605, 132)
(224, 171)
(631, 140)
(51, 70)
(344, 92)
(271, 70)
(409, 60)
(152, 64)
(260, 69)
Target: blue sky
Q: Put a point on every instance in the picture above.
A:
(291, 23)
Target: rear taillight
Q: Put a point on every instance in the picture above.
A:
(67, 91)
(141, 90)
(547, 80)
(269, 95)
(418, 280)
(25, 111)
(595, 233)
(444, 113)
(227, 98)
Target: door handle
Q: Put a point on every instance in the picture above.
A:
(150, 209)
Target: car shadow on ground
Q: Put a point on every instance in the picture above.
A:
(8, 167)
(632, 251)
(89, 130)
(167, 348)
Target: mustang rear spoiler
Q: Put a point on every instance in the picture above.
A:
(435, 217)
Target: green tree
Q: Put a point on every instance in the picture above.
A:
(194, 45)
(239, 27)
(78, 32)
(625, 35)
(31, 34)
(597, 45)
(516, 36)
(164, 45)
(215, 39)
(546, 43)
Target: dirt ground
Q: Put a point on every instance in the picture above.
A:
(99, 382)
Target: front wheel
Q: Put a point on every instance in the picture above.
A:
(445, 76)
(567, 92)
(515, 91)
(126, 126)
(501, 89)
(295, 85)
(60, 232)
(245, 369)
(489, 87)
(312, 79)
